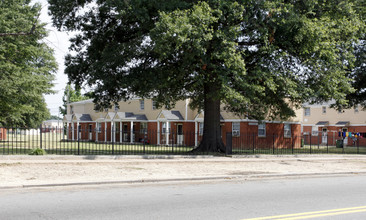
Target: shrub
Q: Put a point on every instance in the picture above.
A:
(37, 151)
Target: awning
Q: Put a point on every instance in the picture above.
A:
(129, 116)
(172, 115)
(342, 123)
(83, 117)
(322, 123)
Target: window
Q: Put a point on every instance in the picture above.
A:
(287, 130)
(314, 130)
(106, 109)
(262, 130)
(165, 129)
(324, 109)
(236, 129)
(200, 128)
(99, 127)
(143, 127)
(153, 105)
(307, 111)
(142, 104)
(71, 109)
(356, 109)
(116, 108)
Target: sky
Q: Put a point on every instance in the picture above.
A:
(59, 41)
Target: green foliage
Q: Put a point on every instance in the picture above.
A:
(37, 151)
(54, 117)
(258, 57)
(357, 73)
(258, 53)
(27, 65)
(72, 95)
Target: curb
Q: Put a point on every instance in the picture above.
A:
(169, 157)
(229, 178)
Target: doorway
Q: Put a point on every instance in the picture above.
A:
(180, 134)
(79, 132)
(345, 140)
(90, 132)
(324, 136)
(125, 132)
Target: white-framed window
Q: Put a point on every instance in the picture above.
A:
(164, 128)
(324, 109)
(143, 127)
(307, 111)
(200, 128)
(142, 104)
(356, 109)
(287, 130)
(314, 131)
(99, 127)
(262, 129)
(236, 129)
(153, 104)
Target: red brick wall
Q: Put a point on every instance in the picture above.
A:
(332, 135)
(2, 134)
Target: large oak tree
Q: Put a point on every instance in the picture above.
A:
(27, 65)
(255, 57)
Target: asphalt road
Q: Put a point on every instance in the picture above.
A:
(337, 197)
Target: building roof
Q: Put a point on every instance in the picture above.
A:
(67, 118)
(83, 117)
(81, 102)
(172, 115)
(342, 123)
(130, 116)
(320, 123)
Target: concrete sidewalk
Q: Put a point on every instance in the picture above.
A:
(51, 170)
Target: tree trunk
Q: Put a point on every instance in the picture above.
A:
(211, 139)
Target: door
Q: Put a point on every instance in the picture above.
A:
(90, 132)
(324, 136)
(125, 132)
(180, 134)
(79, 132)
(345, 140)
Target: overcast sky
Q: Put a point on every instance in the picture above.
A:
(59, 41)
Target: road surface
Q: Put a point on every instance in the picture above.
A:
(336, 197)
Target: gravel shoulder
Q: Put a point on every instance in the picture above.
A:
(20, 171)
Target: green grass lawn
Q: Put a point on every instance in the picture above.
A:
(21, 144)
(56, 144)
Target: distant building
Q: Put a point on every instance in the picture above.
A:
(52, 126)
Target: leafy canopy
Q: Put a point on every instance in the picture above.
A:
(26, 65)
(258, 55)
